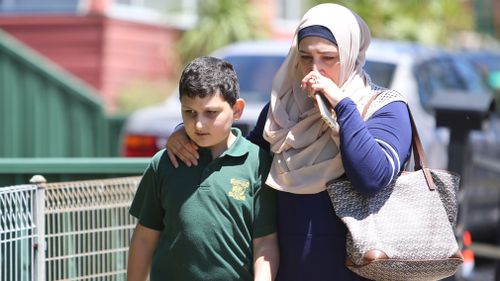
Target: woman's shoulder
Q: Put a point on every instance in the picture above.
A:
(384, 94)
(380, 97)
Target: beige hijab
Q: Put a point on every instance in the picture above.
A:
(306, 150)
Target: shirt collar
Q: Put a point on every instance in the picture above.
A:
(238, 148)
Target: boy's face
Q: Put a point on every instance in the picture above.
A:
(208, 121)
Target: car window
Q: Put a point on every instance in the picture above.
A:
(255, 74)
(488, 66)
(381, 73)
(489, 60)
(437, 75)
(475, 82)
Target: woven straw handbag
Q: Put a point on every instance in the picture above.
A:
(404, 232)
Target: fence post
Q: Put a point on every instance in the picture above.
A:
(39, 242)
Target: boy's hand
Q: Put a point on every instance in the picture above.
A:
(142, 247)
(180, 145)
(266, 257)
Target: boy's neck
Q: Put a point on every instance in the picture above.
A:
(218, 150)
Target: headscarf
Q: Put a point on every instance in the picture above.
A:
(306, 151)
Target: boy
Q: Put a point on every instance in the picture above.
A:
(216, 220)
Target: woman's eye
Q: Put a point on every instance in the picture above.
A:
(329, 58)
(211, 112)
(305, 57)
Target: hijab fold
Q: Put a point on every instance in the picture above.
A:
(306, 151)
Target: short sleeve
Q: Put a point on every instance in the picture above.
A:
(147, 206)
(140, 193)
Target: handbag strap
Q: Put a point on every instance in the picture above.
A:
(419, 154)
(417, 148)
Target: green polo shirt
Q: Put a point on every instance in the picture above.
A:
(208, 214)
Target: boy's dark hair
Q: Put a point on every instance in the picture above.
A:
(204, 76)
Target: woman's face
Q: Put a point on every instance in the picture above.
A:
(321, 55)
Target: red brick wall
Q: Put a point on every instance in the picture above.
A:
(136, 51)
(105, 53)
(72, 42)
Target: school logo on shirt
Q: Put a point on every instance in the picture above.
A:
(239, 188)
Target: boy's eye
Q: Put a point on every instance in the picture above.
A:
(189, 112)
(212, 113)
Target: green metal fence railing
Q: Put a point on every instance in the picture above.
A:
(14, 171)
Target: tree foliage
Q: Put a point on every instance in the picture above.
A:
(425, 21)
(220, 22)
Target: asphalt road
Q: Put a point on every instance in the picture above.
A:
(484, 272)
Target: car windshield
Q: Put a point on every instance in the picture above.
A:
(381, 73)
(255, 74)
(473, 79)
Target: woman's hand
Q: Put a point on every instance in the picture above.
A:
(314, 83)
(180, 145)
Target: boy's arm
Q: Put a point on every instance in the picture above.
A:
(142, 246)
(265, 257)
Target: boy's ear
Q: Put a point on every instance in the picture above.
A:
(238, 109)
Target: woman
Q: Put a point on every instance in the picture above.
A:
(326, 58)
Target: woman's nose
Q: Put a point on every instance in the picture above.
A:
(315, 66)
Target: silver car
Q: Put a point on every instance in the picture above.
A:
(416, 71)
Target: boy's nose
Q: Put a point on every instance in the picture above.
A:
(199, 124)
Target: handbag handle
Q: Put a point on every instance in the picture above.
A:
(419, 154)
(418, 150)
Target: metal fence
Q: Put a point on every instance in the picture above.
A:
(18, 232)
(79, 231)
